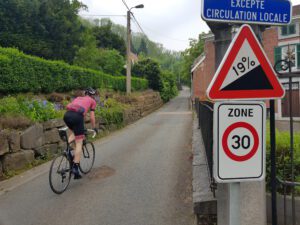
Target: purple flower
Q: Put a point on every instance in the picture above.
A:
(45, 102)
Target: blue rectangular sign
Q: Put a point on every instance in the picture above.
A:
(271, 12)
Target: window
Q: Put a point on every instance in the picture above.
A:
(291, 52)
(288, 30)
(295, 86)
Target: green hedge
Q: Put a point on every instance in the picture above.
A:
(283, 166)
(21, 73)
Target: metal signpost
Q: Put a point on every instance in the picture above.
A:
(273, 12)
(245, 73)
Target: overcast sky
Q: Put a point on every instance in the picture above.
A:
(169, 22)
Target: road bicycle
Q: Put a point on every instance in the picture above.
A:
(61, 167)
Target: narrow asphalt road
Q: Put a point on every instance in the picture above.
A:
(142, 176)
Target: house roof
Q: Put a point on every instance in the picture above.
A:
(197, 62)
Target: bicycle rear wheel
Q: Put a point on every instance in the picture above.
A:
(87, 158)
(60, 174)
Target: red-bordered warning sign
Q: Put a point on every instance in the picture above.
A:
(239, 141)
(245, 72)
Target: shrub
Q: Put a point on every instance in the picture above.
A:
(35, 110)
(149, 69)
(22, 73)
(283, 158)
(168, 88)
(112, 112)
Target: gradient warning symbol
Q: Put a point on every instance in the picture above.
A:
(245, 72)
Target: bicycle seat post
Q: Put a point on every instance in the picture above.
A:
(64, 136)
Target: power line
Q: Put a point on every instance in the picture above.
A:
(125, 4)
(134, 17)
(149, 29)
(102, 15)
(159, 34)
(139, 25)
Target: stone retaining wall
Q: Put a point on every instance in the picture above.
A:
(143, 106)
(20, 148)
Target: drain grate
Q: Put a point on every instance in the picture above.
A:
(101, 173)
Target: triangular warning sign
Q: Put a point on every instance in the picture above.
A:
(245, 72)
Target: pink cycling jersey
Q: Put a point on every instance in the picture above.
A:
(80, 104)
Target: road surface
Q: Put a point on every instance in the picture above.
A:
(142, 176)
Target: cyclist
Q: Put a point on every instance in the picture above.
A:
(74, 119)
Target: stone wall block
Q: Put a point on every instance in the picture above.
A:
(4, 147)
(45, 150)
(18, 160)
(14, 141)
(62, 145)
(32, 137)
(51, 136)
(54, 123)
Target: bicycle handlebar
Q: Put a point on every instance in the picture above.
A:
(92, 131)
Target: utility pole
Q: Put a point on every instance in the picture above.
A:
(128, 65)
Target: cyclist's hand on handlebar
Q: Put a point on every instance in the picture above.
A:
(96, 130)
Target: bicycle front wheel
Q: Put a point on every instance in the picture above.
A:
(60, 174)
(87, 158)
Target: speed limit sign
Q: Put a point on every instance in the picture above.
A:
(239, 141)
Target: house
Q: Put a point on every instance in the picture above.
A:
(279, 42)
(204, 64)
(286, 43)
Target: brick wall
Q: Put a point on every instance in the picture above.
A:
(270, 41)
(204, 72)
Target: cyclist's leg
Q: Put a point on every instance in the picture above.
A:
(75, 121)
(76, 160)
(71, 136)
(79, 136)
(78, 149)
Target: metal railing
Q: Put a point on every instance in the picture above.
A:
(204, 112)
(283, 69)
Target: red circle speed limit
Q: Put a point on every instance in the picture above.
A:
(247, 141)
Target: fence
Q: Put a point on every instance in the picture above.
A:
(286, 179)
(204, 112)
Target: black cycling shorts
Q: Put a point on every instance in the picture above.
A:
(75, 121)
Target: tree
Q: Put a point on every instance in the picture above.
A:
(111, 61)
(189, 55)
(168, 88)
(143, 47)
(149, 69)
(87, 56)
(107, 39)
(49, 29)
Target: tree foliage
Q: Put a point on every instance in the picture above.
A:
(189, 55)
(49, 29)
(143, 47)
(149, 69)
(107, 39)
(111, 61)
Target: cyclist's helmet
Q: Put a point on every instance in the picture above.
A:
(90, 91)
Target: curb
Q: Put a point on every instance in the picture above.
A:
(18, 180)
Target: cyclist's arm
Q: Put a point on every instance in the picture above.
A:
(93, 121)
(92, 113)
